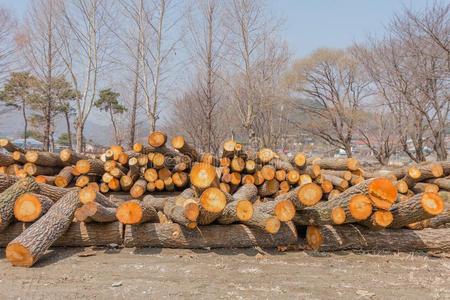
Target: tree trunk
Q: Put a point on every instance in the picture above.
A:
(214, 236)
(25, 126)
(69, 130)
(79, 126)
(351, 237)
(28, 247)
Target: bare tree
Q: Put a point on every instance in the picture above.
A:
(377, 131)
(331, 89)
(41, 55)
(7, 45)
(84, 47)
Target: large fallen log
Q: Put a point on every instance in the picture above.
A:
(29, 246)
(337, 164)
(6, 160)
(46, 159)
(213, 236)
(351, 237)
(418, 208)
(422, 172)
(79, 234)
(9, 196)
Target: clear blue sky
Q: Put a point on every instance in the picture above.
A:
(310, 24)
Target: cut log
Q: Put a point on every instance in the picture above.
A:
(71, 157)
(283, 209)
(179, 143)
(9, 196)
(381, 192)
(214, 236)
(422, 187)
(304, 196)
(180, 179)
(268, 172)
(136, 212)
(280, 175)
(203, 176)
(313, 171)
(379, 220)
(212, 202)
(29, 246)
(91, 166)
(418, 208)
(183, 209)
(299, 160)
(96, 213)
(29, 207)
(45, 179)
(250, 166)
(64, 177)
(265, 155)
(422, 172)
(304, 179)
(402, 186)
(139, 188)
(19, 157)
(264, 221)
(338, 164)
(269, 188)
(280, 164)
(346, 175)
(240, 206)
(228, 148)
(293, 176)
(337, 182)
(46, 159)
(87, 195)
(350, 237)
(6, 160)
(151, 174)
(35, 170)
(157, 139)
(442, 183)
(209, 158)
(237, 164)
(157, 202)
(443, 219)
(9, 146)
(84, 180)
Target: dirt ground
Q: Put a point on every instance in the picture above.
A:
(225, 274)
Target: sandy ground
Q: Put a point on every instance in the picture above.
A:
(225, 274)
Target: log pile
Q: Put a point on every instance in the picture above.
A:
(242, 198)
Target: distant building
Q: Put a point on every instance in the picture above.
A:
(31, 143)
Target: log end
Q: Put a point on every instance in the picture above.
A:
(178, 142)
(157, 139)
(272, 225)
(83, 166)
(244, 210)
(129, 213)
(432, 203)
(18, 255)
(382, 192)
(338, 215)
(285, 210)
(27, 208)
(383, 218)
(360, 207)
(202, 175)
(309, 194)
(213, 200)
(313, 237)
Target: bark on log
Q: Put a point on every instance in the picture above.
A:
(347, 175)
(9, 196)
(91, 166)
(46, 159)
(338, 164)
(418, 208)
(6, 160)
(96, 212)
(79, 234)
(264, 221)
(269, 188)
(183, 209)
(87, 195)
(19, 157)
(280, 164)
(303, 196)
(29, 246)
(283, 209)
(379, 220)
(443, 219)
(214, 236)
(35, 170)
(157, 202)
(179, 143)
(71, 157)
(9, 146)
(351, 237)
(64, 177)
(212, 203)
(442, 183)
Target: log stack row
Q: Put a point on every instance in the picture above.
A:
(274, 195)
